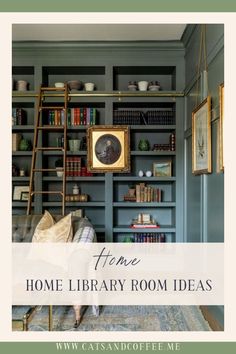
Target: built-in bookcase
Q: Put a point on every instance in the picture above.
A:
(106, 208)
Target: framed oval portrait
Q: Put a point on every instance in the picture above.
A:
(108, 149)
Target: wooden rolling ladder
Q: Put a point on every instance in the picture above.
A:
(39, 126)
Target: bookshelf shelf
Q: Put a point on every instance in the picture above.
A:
(74, 179)
(143, 205)
(151, 127)
(128, 229)
(144, 179)
(76, 204)
(69, 153)
(21, 153)
(20, 179)
(22, 128)
(153, 153)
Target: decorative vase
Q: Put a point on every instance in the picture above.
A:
(59, 171)
(148, 174)
(75, 189)
(143, 145)
(24, 145)
(142, 85)
(140, 173)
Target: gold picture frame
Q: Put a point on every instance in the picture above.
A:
(201, 138)
(108, 149)
(221, 127)
(162, 169)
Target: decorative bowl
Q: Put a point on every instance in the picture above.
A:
(154, 88)
(74, 85)
(132, 87)
(59, 84)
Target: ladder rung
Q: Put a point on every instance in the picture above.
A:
(47, 192)
(53, 88)
(50, 127)
(47, 169)
(51, 107)
(49, 149)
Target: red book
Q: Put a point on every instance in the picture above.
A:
(143, 226)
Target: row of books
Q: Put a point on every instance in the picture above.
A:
(128, 117)
(19, 116)
(133, 117)
(160, 117)
(147, 194)
(74, 168)
(149, 237)
(75, 116)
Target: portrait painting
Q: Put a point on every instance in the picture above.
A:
(108, 149)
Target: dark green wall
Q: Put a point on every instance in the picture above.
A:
(204, 195)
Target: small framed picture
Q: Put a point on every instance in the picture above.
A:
(201, 138)
(24, 196)
(108, 149)
(162, 169)
(20, 192)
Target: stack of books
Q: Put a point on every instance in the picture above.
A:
(144, 221)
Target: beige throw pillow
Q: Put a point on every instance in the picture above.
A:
(49, 231)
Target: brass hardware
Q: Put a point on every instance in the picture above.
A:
(49, 149)
(52, 107)
(108, 94)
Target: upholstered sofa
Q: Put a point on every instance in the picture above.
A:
(23, 227)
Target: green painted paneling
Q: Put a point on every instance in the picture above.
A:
(204, 208)
(193, 199)
(210, 223)
(215, 197)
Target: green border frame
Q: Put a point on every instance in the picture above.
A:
(117, 6)
(79, 347)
